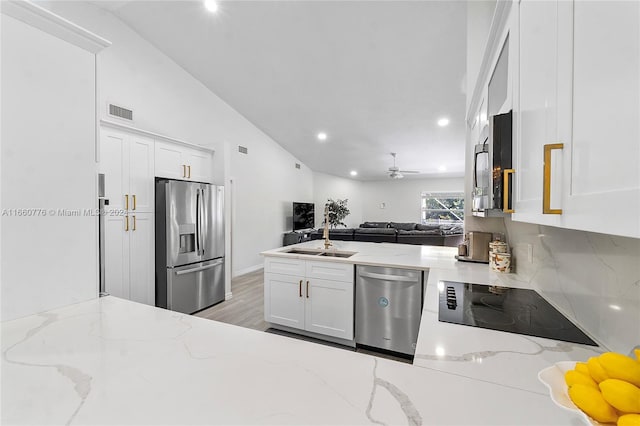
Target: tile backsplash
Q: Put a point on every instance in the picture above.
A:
(592, 278)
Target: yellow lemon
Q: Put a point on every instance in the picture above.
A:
(618, 366)
(582, 367)
(573, 377)
(621, 395)
(629, 420)
(596, 371)
(590, 401)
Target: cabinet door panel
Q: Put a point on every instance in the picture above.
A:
(169, 162)
(201, 165)
(603, 194)
(141, 259)
(283, 303)
(329, 307)
(329, 271)
(114, 163)
(141, 152)
(116, 256)
(281, 265)
(537, 109)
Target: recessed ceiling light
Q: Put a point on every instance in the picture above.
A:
(442, 168)
(322, 136)
(615, 307)
(211, 5)
(353, 173)
(443, 122)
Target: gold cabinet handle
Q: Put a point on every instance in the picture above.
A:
(546, 184)
(126, 223)
(189, 174)
(184, 170)
(134, 201)
(300, 289)
(134, 222)
(505, 197)
(126, 201)
(307, 289)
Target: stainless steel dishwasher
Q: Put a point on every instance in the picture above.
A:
(388, 308)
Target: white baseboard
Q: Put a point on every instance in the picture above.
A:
(247, 270)
(228, 296)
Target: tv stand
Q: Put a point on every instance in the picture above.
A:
(295, 237)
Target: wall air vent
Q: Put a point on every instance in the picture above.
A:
(120, 112)
(297, 165)
(243, 149)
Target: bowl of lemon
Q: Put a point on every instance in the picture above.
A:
(604, 390)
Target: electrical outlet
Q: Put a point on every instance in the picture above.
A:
(530, 253)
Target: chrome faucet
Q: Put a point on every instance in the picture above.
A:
(325, 233)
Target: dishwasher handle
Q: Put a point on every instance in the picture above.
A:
(387, 277)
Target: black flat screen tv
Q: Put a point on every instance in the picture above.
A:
(303, 216)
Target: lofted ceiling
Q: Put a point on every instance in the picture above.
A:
(374, 75)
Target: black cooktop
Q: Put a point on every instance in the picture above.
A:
(507, 309)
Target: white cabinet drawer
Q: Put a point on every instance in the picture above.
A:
(330, 271)
(280, 265)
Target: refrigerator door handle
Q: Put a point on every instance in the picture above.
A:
(199, 268)
(202, 218)
(198, 221)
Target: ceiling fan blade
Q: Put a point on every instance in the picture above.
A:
(408, 171)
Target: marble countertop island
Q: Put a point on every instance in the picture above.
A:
(111, 361)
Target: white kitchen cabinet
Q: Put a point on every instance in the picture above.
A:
(176, 161)
(127, 160)
(579, 95)
(48, 170)
(129, 256)
(314, 296)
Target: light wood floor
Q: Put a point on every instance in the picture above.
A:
(246, 307)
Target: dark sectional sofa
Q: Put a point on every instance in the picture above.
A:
(394, 232)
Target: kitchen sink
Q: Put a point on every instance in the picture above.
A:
(320, 252)
(336, 254)
(302, 251)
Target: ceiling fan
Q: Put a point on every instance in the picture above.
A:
(395, 172)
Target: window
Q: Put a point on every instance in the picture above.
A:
(443, 208)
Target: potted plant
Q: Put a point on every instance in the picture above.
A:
(337, 212)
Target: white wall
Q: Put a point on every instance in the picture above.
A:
(168, 100)
(328, 186)
(401, 197)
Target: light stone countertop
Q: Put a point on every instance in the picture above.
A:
(111, 361)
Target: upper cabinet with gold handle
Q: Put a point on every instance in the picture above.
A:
(546, 186)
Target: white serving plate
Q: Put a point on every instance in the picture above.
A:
(553, 379)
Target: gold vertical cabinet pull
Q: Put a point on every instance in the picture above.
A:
(184, 170)
(126, 201)
(505, 197)
(134, 201)
(307, 289)
(126, 223)
(300, 289)
(134, 223)
(546, 184)
(189, 174)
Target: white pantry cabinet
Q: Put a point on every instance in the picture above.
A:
(578, 112)
(127, 160)
(48, 171)
(129, 256)
(177, 161)
(315, 296)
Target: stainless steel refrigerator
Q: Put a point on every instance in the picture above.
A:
(189, 245)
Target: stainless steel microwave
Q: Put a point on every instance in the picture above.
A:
(492, 168)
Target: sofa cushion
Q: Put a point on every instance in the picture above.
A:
(421, 227)
(379, 231)
(341, 231)
(374, 225)
(416, 232)
(406, 226)
(451, 229)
